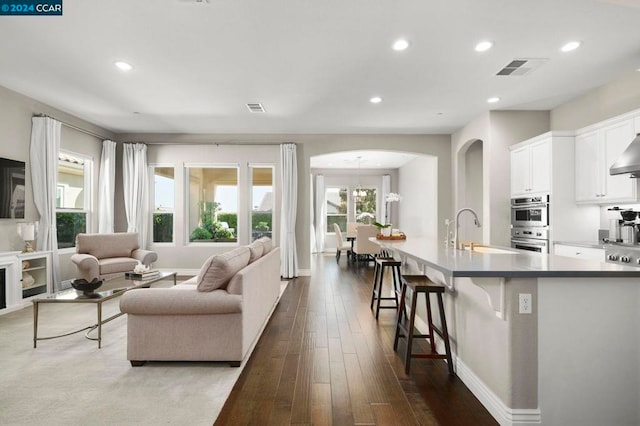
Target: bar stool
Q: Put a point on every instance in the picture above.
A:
(421, 284)
(378, 277)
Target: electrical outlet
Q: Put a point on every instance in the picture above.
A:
(525, 303)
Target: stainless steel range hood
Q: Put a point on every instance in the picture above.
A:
(629, 160)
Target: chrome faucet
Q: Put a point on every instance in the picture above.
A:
(457, 223)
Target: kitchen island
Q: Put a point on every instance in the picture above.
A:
(573, 360)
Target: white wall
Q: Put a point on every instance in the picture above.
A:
(477, 130)
(507, 128)
(182, 255)
(474, 191)
(497, 130)
(607, 101)
(16, 111)
(418, 209)
(311, 145)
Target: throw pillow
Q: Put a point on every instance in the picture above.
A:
(268, 244)
(218, 270)
(256, 249)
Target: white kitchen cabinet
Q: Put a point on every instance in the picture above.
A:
(596, 150)
(531, 168)
(545, 164)
(579, 252)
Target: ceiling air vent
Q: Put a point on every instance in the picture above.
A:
(521, 66)
(255, 107)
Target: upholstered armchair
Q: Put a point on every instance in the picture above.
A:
(109, 255)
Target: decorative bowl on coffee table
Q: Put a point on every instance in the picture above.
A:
(87, 287)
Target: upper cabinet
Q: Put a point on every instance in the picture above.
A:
(545, 164)
(531, 168)
(597, 148)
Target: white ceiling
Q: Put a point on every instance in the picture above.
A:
(312, 64)
(361, 159)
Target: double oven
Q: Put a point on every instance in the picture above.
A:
(530, 223)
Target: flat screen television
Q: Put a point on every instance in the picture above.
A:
(11, 189)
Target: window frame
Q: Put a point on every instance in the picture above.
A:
(354, 203)
(187, 199)
(87, 195)
(274, 224)
(349, 212)
(152, 202)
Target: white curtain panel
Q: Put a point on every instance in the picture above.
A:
(320, 214)
(106, 187)
(289, 261)
(136, 189)
(44, 152)
(386, 189)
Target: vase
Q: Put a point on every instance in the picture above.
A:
(386, 231)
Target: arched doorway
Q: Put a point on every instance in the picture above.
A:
(335, 177)
(471, 188)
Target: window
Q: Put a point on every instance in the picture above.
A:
(261, 202)
(72, 197)
(336, 208)
(365, 204)
(213, 204)
(163, 204)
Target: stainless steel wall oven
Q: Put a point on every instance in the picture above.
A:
(530, 223)
(530, 211)
(532, 239)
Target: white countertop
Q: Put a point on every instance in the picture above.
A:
(521, 263)
(589, 244)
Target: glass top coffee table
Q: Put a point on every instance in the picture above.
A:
(110, 289)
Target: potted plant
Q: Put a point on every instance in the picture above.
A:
(384, 229)
(365, 217)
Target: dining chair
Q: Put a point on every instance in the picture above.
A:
(363, 248)
(341, 244)
(351, 228)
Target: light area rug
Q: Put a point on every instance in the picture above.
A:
(69, 381)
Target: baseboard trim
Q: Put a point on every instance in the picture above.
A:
(506, 416)
(304, 272)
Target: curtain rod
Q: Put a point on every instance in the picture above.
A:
(250, 143)
(71, 126)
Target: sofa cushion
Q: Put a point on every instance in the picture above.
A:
(220, 268)
(119, 244)
(256, 249)
(112, 265)
(268, 244)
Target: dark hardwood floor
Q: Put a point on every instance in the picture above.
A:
(323, 359)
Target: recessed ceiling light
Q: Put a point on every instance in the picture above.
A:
(375, 100)
(123, 66)
(483, 46)
(400, 44)
(493, 100)
(572, 45)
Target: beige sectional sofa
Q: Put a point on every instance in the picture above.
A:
(109, 255)
(215, 316)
